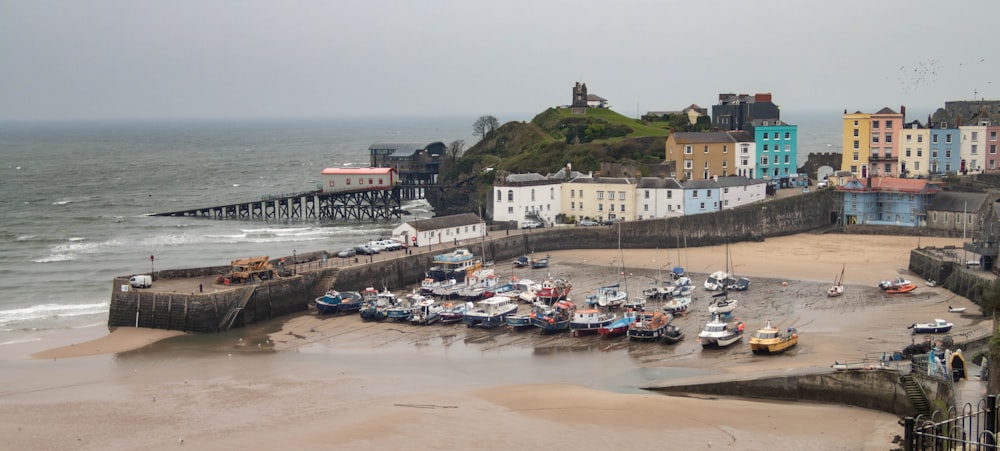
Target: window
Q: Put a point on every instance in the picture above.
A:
(969, 218)
(907, 152)
(788, 135)
(510, 195)
(888, 124)
(725, 148)
(787, 159)
(766, 134)
(875, 125)
(706, 165)
(702, 206)
(888, 138)
(532, 194)
(670, 194)
(510, 210)
(975, 136)
(857, 144)
(920, 153)
(347, 181)
(725, 163)
(788, 147)
(612, 207)
(947, 153)
(600, 207)
(876, 137)
(993, 136)
(572, 205)
(993, 149)
(499, 196)
(552, 193)
(855, 158)
(646, 194)
(973, 149)
(763, 161)
(621, 195)
(687, 149)
(934, 139)
(611, 195)
(705, 175)
(855, 122)
(916, 165)
(600, 195)
(688, 164)
(621, 208)
(694, 194)
(947, 138)
(909, 138)
(572, 194)
(856, 133)
(706, 148)
(920, 138)
(934, 154)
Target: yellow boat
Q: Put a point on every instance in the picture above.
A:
(770, 340)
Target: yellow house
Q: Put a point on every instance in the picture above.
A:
(704, 155)
(857, 134)
(599, 198)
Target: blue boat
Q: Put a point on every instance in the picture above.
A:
(490, 313)
(350, 302)
(555, 318)
(376, 304)
(619, 326)
(328, 303)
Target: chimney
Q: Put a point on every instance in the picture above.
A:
(902, 110)
(763, 97)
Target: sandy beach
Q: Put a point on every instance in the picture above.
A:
(309, 382)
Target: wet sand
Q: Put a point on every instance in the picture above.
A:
(337, 382)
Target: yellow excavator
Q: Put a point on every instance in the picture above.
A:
(251, 270)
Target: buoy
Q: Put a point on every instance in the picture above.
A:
(784, 284)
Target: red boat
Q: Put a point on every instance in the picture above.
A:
(901, 288)
(553, 290)
(619, 326)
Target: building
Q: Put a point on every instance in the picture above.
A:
(736, 112)
(958, 212)
(887, 201)
(972, 147)
(520, 197)
(658, 197)
(777, 148)
(746, 159)
(599, 198)
(856, 143)
(738, 191)
(701, 196)
(944, 147)
(885, 131)
(444, 230)
(701, 156)
(416, 163)
(992, 160)
(914, 155)
(693, 112)
(596, 101)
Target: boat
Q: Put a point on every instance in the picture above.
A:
(673, 334)
(718, 333)
(722, 304)
(938, 326)
(427, 285)
(521, 321)
(375, 305)
(402, 310)
(425, 312)
(350, 302)
(456, 265)
(553, 290)
(888, 284)
(328, 303)
(539, 263)
(901, 288)
(771, 340)
(716, 281)
(446, 288)
(554, 318)
(619, 326)
(634, 303)
(524, 291)
(838, 285)
(649, 326)
(609, 297)
(677, 305)
(850, 365)
(657, 293)
(522, 261)
(452, 313)
(956, 309)
(677, 272)
(477, 284)
(490, 313)
(590, 320)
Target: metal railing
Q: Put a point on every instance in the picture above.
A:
(973, 427)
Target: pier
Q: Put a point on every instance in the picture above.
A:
(310, 205)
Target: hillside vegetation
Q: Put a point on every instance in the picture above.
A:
(551, 140)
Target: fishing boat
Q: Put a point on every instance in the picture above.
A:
(452, 313)
(554, 318)
(718, 333)
(900, 288)
(553, 290)
(634, 303)
(938, 326)
(402, 310)
(590, 320)
(328, 303)
(649, 326)
(539, 263)
(716, 281)
(522, 261)
(374, 305)
(619, 326)
(677, 305)
(525, 290)
(427, 285)
(490, 313)
(657, 293)
(446, 288)
(609, 297)
(425, 312)
(521, 321)
(673, 334)
(722, 304)
(453, 265)
(897, 282)
(838, 285)
(350, 302)
(771, 340)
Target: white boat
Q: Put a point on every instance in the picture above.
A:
(716, 281)
(956, 309)
(838, 285)
(446, 288)
(590, 320)
(938, 326)
(426, 312)
(722, 304)
(718, 333)
(491, 312)
(609, 297)
(677, 305)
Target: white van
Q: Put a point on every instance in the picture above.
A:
(141, 281)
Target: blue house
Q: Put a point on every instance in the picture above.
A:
(702, 196)
(887, 201)
(944, 148)
(777, 148)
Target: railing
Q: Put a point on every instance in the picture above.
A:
(971, 428)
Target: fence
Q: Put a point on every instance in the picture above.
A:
(970, 428)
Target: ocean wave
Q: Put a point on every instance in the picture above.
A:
(76, 246)
(19, 341)
(76, 238)
(62, 202)
(55, 258)
(49, 311)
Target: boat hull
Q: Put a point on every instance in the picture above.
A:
(931, 330)
(720, 342)
(485, 322)
(772, 346)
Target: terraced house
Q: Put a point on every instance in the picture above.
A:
(702, 156)
(599, 198)
(777, 149)
(871, 144)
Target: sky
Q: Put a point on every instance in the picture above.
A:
(145, 59)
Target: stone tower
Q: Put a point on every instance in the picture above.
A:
(579, 95)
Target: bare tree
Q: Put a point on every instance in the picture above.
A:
(485, 125)
(455, 148)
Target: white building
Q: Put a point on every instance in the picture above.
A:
(746, 159)
(443, 230)
(737, 191)
(525, 197)
(973, 146)
(657, 197)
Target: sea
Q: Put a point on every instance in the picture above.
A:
(77, 196)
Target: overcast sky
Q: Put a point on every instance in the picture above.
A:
(250, 58)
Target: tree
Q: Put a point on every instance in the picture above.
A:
(485, 125)
(455, 148)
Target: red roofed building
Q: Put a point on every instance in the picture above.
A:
(887, 201)
(342, 180)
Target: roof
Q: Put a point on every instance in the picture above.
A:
(728, 182)
(445, 222)
(890, 184)
(702, 137)
(658, 183)
(741, 136)
(356, 171)
(595, 97)
(886, 110)
(952, 201)
(529, 177)
(403, 149)
(604, 180)
(700, 184)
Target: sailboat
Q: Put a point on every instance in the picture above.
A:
(838, 285)
(610, 297)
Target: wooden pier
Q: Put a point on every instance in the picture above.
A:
(311, 205)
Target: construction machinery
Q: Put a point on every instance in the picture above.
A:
(251, 269)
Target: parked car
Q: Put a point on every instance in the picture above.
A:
(364, 250)
(587, 223)
(822, 184)
(391, 245)
(529, 224)
(346, 253)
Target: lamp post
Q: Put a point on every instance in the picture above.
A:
(152, 267)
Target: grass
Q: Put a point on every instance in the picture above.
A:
(638, 128)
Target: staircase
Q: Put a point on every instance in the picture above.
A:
(916, 394)
(325, 283)
(230, 318)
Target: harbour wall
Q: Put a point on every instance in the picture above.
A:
(204, 312)
(878, 389)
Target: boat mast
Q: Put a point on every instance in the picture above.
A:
(621, 255)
